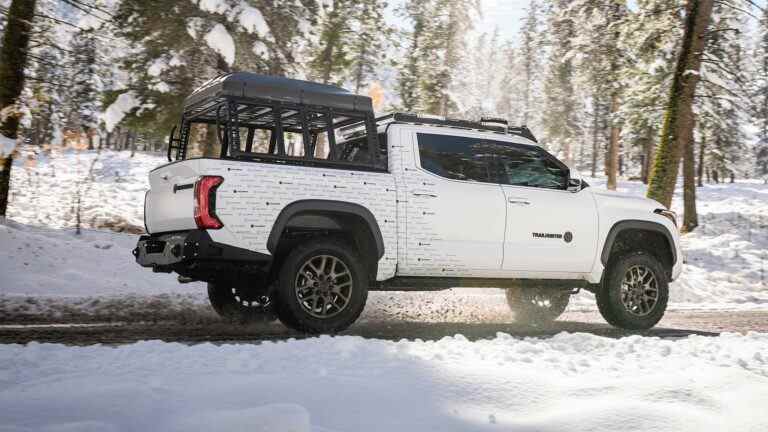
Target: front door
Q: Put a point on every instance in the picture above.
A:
(549, 229)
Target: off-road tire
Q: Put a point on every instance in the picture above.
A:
(291, 310)
(237, 306)
(537, 305)
(608, 295)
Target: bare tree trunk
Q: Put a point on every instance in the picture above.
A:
(13, 62)
(678, 120)
(211, 147)
(132, 140)
(702, 148)
(595, 137)
(648, 148)
(612, 158)
(690, 217)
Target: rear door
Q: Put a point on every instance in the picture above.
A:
(455, 208)
(549, 229)
(169, 203)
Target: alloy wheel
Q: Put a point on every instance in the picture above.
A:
(323, 286)
(639, 290)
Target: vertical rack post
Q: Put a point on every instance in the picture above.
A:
(331, 135)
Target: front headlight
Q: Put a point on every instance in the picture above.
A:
(669, 214)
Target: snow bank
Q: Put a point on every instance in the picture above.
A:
(220, 41)
(573, 382)
(44, 188)
(115, 113)
(727, 255)
(46, 262)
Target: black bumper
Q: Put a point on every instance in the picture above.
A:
(195, 254)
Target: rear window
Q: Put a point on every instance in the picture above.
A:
(356, 150)
(457, 158)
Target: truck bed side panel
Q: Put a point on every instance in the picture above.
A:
(253, 194)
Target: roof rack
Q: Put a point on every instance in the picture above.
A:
(496, 125)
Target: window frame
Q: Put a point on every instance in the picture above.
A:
(546, 156)
(414, 133)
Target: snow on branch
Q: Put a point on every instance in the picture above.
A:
(119, 109)
(221, 41)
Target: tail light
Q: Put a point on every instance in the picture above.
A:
(205, 202)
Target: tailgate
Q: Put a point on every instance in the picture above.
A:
(169, 203)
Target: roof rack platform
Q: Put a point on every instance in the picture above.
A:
(486, 125)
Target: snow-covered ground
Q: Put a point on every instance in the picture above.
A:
(570, 382)
(49, 270)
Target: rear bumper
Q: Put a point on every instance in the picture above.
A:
(193, 253)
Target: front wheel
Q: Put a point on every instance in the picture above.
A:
(634, 292)
(322, 287)
(537, 305)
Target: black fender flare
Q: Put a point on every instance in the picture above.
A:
(624, 225)
(324, 206)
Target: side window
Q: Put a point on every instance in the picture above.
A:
(529, 166)
(457, 158)
(356, 150)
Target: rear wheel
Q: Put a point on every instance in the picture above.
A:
(634, 292)
(322, 287)
(240, 305)
(537, 305)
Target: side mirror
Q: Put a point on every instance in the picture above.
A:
(574, 185)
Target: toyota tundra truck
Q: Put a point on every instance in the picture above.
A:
(306, 201)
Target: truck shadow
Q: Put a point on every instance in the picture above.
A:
(476, 331)
(117, 334)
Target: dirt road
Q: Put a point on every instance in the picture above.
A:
(675, 324)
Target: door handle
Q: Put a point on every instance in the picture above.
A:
(424, 194)
(519, 201)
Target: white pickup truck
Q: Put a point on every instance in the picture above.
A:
(311, 202)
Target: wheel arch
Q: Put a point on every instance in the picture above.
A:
(635, 233)
(324, 215)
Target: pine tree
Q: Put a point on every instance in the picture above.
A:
(562, 126)
(443, 45)
(46, 101)
(83, 95)
(410, 69)
(603, 22)
(530, 64)
(721, 92)
(508, 103)
(370, 34)
(759, 92)
(678, 120)
(13, 63)
(479, 79)
(174, 50)
(652, 36)
(332, 61)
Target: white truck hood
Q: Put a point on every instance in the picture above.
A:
(607, 198)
